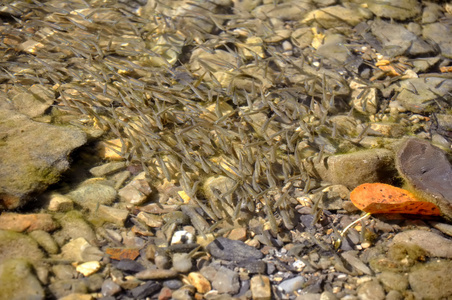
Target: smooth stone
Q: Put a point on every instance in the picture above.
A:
(130, 265)
(289, 10)
(184, 293)
(226, 281)
(151, 220)
(17, 281)
(110, 288)
(182, 262)
(432, 280)
(109, 214)
(253, 266)
(395, 9)
(394, 295)
(431, 12)
(33, 102)
(153, 274)
(33, 156)
(350, 15)
(145, 290)
(60, 203)
(427, 89)
(439, 33)
(353, 169)
(355, 262)
(260, 287)
(73, 226)
(231, 250)
(45, 240)
(371, 290)
(107, 168)
(63, 272)
(291, 285)
(443, 227)
(91, 195)
(393, 281)
(428, 172)
(14, 245)
(77, 296)
(200, 282)
(431, 243)
(334, 50)
(27, 222)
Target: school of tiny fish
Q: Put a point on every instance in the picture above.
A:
(156, 82)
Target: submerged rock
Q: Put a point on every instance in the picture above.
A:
(17, 281)
(33, 156)
(427, 171)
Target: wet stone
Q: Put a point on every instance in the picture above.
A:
(107, 168)
(431, 243)
(432, 280)
(18, 246)
(393, 281)
(145, 290)
(91, 195)
(201, 283)
(356, 263)
(153, 274)
(182, 262)
(63, 288)
(17, 281)
(371, 290)
(129, 265)
(231, 250)
(226, 281)
(396, 9)
(45, 241)
(440, 34)
(291, 285)
(27, 222)
(260, 287)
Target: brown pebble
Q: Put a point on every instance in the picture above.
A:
(200, 282)
(238, 234)
(260, 287)
(27, 222)
(165, 293)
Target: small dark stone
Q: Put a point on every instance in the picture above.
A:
(129, 265)
(224, 248)
(173, 284)
(271, 268)
(253, 266)
(145, 290)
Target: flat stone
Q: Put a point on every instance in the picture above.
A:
(130, 265)
(109, 214)
(260, 287)
(27, 222)
(355, 262)
(395, 9)
(153, 274)
(439, 33)
(91, 195)
(433, 244)
(63, 288)
(79, 250)
(337, 15)
(432, 280)
(137, 191)
(291, 285)
(231, 250)
(151, 220)
(77, 296)
(33, 156)
(33, 102)
(60, 203)
(418, 94)
(17, 281)
(145, 290)
(108, 168)
(110, 288)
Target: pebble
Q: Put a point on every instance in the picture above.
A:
(165, 294)
(110, 288)
(291, 285)
(137, 191)
(224, 248)
(18, 245)
(77, 296)
(226, 281)
(396, 9)
(182, 262)
(130, 265)
(45, 241)
(145, 290)
(371, 290)
(393, 281)
(110, 214)
(200, 282)
(88, 268)
(355, 262)
(154, 221)
(260, 287)
(60, 203)
(80, 250)
(90, 195)
(153, 274)
(64, 271)
(107, 168)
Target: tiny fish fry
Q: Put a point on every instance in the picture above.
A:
(379, 198)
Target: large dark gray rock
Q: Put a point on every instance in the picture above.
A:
(32, 156)
(231, 250)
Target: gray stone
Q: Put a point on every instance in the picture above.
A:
(432, 280)
(349, 14)
(292, 285)
(418, 94)
(334, 49)
(397, 40)
(226, 281)
(91, 195)
(182, 262)
(356, 263)
(393, 281)
(231, 250)
(440, 33)
(63, 272)
(33, 156)
(433, 244)
(431, 12)
(107, 168)
(351, 170)
(371, 290)
(394, 295)
(156, 274)
(18, 282)
(109, 288)
(395, 9)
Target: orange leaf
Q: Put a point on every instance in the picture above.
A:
(379, 198)
(122, 253)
